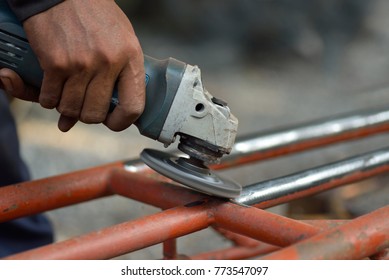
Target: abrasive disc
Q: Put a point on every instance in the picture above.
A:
(191, 174)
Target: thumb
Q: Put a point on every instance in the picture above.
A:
(13, 84)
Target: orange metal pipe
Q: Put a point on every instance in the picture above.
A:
(261, 225)
(147, 189)
(249, 248)
(245, 241)
(357, 239)
(170, 249)
(50, 193)
(127, 237)
(130, 236)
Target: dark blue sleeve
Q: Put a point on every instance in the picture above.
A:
(27, 8)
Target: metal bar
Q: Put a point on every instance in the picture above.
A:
(127, 237)
(244, 241)
(170, 249)
(357, 239)
(261, 225)
(50, 193)
(146, 189)
(315, 180)
(269, 144)
(246, 247)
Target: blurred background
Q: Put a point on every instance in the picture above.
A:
(276, 62)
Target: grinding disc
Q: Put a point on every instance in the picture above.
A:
(183, 171)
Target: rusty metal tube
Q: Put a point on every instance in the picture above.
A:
(357, 239)
(315, 180)
(150, 190)
(246, 247)
(262, 225)
(126, 237)
(50, 193)
(269, 144)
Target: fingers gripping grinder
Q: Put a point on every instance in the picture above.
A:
(177, 104)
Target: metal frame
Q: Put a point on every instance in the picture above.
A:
(254, 232)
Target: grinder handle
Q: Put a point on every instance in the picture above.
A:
(162, 76)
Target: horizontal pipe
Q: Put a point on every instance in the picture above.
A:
(261, 225)
(246, 247)
(269, 144)
(126, 237)
(151, 190)
(244, 241)
(356, 239)
(315, 180)
(50, 193)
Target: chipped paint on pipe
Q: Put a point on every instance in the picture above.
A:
(126, 237)
(356, 239)
(54, 192)
(262, 225)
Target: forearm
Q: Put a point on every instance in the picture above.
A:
(27, 8)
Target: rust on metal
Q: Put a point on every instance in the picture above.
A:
(356, 239)
(126, 237)
(50, 193)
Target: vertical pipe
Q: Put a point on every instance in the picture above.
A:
(170, 249)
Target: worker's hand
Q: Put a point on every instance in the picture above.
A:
(84, 47)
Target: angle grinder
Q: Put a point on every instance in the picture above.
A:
(177, 104)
